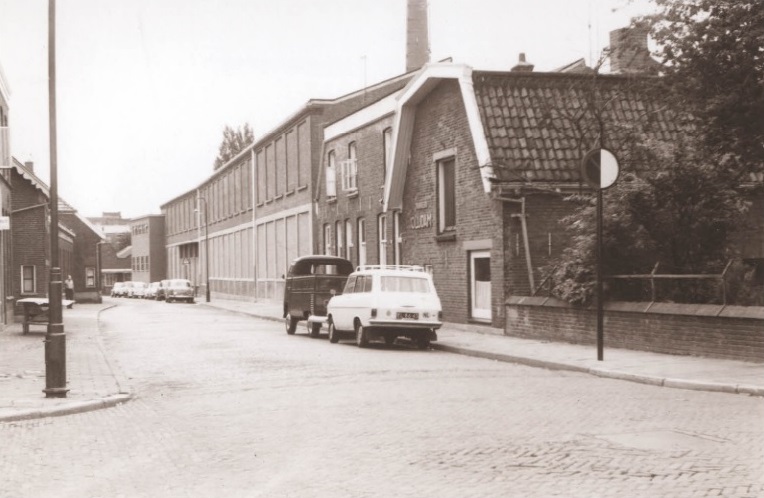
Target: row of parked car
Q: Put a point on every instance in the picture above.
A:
(176, 289)
(368, 303)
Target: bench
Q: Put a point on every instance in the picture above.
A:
(36, 311)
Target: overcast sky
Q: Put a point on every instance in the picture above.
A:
(145, 87)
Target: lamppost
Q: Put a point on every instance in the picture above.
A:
(206, 250)
(55, 338)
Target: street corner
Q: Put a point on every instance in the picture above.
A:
(44, 408)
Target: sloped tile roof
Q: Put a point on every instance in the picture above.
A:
(539, 125)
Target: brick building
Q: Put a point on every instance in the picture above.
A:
(258, 206)
(148, 256)
(114, 254)
(84, 265)
(30, 234)
(349, 211)
(482, 161)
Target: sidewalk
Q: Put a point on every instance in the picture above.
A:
(683, 372)
(92, 382)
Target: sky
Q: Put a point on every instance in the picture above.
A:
(144, 88)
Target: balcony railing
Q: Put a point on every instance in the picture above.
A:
(5, 146)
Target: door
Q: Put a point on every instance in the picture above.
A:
(480, 284)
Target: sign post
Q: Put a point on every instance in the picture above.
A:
(599, 169)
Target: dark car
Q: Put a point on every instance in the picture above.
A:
(310, 283)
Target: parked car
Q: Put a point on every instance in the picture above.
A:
(386, 302)
(310, 282)
(118, 289)
(161, 290)
(151, 290)
(179, 289)
(136, 290)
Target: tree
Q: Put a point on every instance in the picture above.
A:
(681, 216)
(713, 63)
(234, 141)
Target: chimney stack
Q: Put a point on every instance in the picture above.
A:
(29, 166)
(522, 66)
(417, 35)
(629, 53)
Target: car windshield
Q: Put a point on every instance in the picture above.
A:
(179, 283)
(404, 284)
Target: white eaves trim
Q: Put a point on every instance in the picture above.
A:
(417, 90)
(358, 119)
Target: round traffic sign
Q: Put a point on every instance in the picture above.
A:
(600, 168)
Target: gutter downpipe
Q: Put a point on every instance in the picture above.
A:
(526, 245)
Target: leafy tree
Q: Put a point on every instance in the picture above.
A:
(681, 217)
(713, 63)
(234, 141)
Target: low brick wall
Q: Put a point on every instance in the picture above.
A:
(714, 331)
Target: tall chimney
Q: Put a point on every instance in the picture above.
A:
(417, 37)
(629, 53)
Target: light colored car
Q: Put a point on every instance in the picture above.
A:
(178, 289)
(137, 290)
(386, 302)
(118, 289)
(151, 290)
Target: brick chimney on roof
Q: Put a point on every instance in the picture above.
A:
(522, 65)
(29, 166)
(629, 53)
(417, 35)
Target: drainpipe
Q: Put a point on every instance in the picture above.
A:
(526, 245)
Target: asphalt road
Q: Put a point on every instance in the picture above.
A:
(228, 405)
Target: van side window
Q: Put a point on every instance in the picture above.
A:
(367, 285)
(350, 285)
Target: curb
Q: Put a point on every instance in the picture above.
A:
(553, 365)
(69, 408)
(610, 374)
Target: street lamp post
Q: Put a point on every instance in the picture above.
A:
(206, 251)
(55, 338)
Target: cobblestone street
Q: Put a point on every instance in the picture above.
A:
(227, 405)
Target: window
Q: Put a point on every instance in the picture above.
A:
(339, 239)
(90, 277)
(446, 195)
(331, 176)
(327, 239)
(387, 144)
(350, 170)
(382, 232)
(28, 279)
(350, 285)
(348, 240)
(397, 239)
(361, 241)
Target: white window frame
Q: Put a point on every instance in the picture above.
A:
(331, 175)
(328, 239)
(339, 239)
(382, 238)
(34, 279)
(90, 276)
(398, 240)
(350, 170)
(387, 144)
(348, 240)
(361, 241)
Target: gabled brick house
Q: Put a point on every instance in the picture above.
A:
(482, 161)
(30, 233)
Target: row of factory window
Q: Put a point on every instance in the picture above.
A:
(140, 263)
(340, 240)
(347, 170)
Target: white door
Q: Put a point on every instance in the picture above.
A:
(480, 284)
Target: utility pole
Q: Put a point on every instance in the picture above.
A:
(55, 339)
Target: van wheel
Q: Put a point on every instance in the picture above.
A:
(290, 324)
(361, 335)
(334, 337)
(315, 329)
